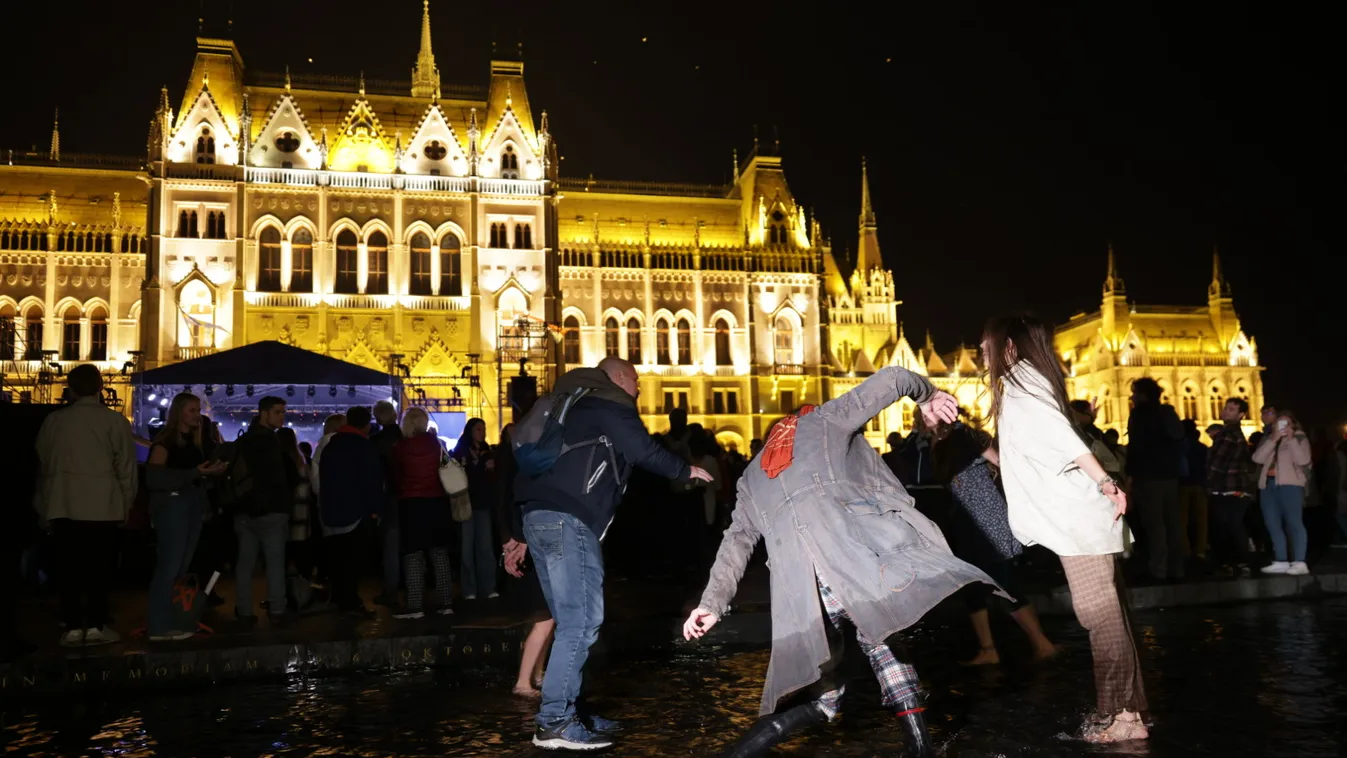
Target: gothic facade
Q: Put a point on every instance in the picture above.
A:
(423, 229)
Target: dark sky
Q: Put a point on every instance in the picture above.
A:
(1008, 144)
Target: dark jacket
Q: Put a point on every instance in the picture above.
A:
(915, 462)
(481, 482)
(273, 476)
(351, 479)
(1153, 436)
(384, 441)
(607, 411)
(509, 521)
(416, 466)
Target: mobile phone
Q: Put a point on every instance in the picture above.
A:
(1281, 424)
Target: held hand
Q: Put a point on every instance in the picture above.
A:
(1118, 498)
(212, 468)
(698, 472)
(514, 558)
(699, 623)
(941, 407)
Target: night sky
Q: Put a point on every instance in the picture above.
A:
(1008, 145)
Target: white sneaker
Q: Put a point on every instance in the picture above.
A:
(1298, 568)
(173, 636)
(493, 596)
(104, 636)
(73, 638)
(1276, 567)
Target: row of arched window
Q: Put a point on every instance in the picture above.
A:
(1189, 401)
(421, 270)
(67, 242)
(499, 236)
(188, 225)
(71, 347)
(665, 342)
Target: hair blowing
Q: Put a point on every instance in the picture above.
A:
(1023, 337)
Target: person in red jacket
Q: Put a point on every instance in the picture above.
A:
(423, 514)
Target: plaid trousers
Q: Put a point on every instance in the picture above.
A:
(897, 680)
(1097, 596)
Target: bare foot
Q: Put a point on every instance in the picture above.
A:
(1126, 726)
(1044, 653)
(987, 656)
(526, 691)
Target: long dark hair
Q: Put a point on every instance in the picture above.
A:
(1013, 338)
(464, 444)
(171, 435)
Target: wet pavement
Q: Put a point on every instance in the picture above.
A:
(1264, 679)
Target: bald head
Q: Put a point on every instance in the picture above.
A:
(621, 372)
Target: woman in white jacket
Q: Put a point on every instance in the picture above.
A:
(1059, 496)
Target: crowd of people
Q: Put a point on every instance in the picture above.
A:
(948, 510)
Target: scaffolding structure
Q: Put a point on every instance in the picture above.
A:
(523, 342)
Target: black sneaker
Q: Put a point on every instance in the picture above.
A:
(569, 735)
(601, 725)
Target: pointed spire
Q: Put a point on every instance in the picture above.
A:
(867, 210)
(425, 75)
(287, 79)
(509, 97)
(867, 251)
(1219, 287)
(362, 82)
(734, 173)
(543, 129)
(55, 153)
(1113, 284)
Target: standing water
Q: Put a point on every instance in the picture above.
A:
(1254, 680)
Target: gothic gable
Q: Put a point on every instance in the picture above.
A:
(361, 144)
(434, 147)
(508, 137)
(285, 138)
(201, 133)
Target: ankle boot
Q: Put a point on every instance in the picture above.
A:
(917, 740)
(770, 730)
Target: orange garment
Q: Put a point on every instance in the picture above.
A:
(780, 447)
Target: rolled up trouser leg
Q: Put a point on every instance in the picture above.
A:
(773, 729)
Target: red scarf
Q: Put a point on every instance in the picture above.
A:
(779, 451)
(348, 429)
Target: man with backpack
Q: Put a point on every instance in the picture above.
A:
(575, 450)
(264, 484)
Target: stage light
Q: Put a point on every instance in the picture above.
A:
(290, 391)
(153, 397)
(332, 391)
(229, 390)
(210, 390)
(312, 390)
(163, 402)
(250, 390)
(350, 391)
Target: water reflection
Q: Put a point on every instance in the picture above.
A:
(1267, 680)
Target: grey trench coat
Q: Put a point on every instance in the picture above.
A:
(838, 511)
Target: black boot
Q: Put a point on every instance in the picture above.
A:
(917, 740)
(769, 730)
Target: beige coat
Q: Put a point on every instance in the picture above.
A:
(88, 464)
(1290, 459)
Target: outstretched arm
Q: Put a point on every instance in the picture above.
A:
(862, 403)
(735, 549)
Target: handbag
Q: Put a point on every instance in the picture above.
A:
(460, 507)
(453, 478)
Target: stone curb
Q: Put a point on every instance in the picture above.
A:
(1211, 592)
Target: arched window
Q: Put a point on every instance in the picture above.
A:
(98, 335)
(497, 236)
(215, 225)
(509, 163)
(528, 236)
(419, 283)
(519, 236)
(451, 277)
(8, 333)
(183, 224)
(70, 334)
(633, 340)
(570, 340)
(32, 334)
(611, 342)
(197, 320)
(301, 261)
(784, 342)
(662, 343)
(1217, 402)
(723, 357)
(269, 260)
(348, 264)
(684, 342)
(377, 247)
(1189, 400)
(205, 146)
(777, 234)
(192, 230)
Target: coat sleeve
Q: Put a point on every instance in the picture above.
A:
(1300, 449)
(631, 439)
(1265, 447)
(853, 409)
(735, 549)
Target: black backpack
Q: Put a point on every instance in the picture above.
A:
(237, 488)
(538, 439)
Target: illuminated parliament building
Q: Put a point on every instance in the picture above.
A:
(424, 230)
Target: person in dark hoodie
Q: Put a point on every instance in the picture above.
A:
(351, 496)
(567, 511)
(262, 520)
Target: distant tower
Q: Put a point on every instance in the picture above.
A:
(425, 76)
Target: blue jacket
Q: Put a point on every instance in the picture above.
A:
(608, 411)
(350, 478)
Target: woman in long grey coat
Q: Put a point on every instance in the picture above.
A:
(845, 540)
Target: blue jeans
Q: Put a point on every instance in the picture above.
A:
(479, 556)
(569, 562)
(1284, 504)
(177, 526)
(268, 534)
